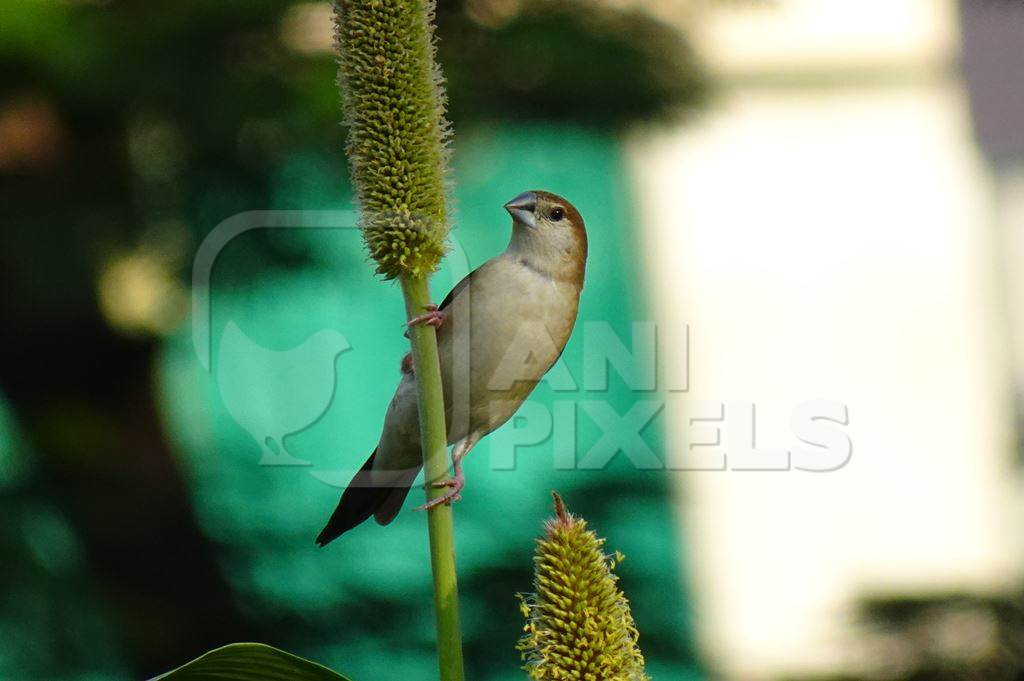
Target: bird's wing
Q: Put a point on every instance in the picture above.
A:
(457, 289)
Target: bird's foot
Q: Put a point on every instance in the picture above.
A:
(432, 316)
(453, 494)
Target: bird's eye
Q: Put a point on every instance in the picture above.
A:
(557, 214)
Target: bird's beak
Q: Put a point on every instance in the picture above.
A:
(521, 209)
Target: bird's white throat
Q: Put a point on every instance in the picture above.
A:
(555, 253)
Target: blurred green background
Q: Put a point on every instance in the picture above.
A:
(139, 527)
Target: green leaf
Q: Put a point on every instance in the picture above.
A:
(250, 662)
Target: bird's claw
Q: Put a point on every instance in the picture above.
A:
(432, 316)
(452, 495)
(446, 498)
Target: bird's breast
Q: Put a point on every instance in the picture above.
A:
(501, 335)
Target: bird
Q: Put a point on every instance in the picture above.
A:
(499, 330)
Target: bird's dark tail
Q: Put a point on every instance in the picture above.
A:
(361, 500)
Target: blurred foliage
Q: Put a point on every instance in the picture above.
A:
(144, 117)
(52, 625)
(944, 637)
(575, 60)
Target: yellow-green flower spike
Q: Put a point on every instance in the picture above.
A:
(398, 134)
(578, 623)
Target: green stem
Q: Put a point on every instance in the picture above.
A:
(433, 435)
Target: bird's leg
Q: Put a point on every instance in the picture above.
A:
(432, 316)
(457, 481)
(406, 365)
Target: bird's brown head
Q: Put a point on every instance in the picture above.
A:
(549, 232)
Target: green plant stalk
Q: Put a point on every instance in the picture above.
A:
(433, 436)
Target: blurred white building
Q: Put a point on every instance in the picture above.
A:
(827, 229)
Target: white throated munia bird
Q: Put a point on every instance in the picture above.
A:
(498, 332)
